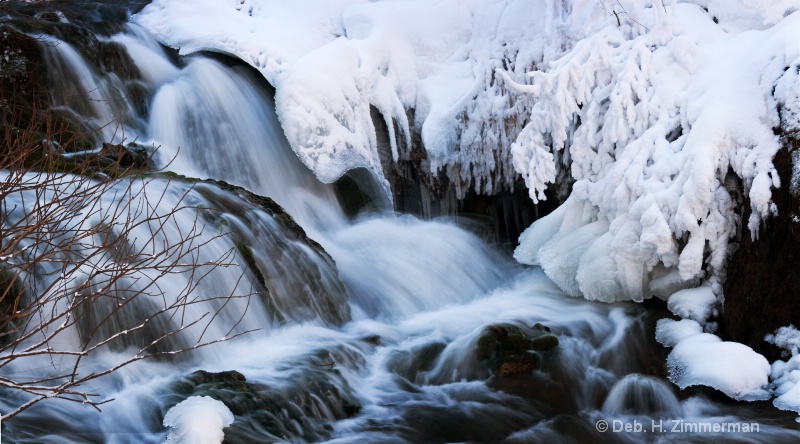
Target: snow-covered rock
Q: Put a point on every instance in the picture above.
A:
(657, 116)
(701, 358)
(785, 375)
(197, 420)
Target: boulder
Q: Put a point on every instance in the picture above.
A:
(508, 350)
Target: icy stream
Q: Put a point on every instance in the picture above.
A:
(394, 359)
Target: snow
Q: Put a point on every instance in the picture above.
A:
(699, 358)
(652, 108)
(197, 420)
(665, 117)
(696, 304)
(786, 374)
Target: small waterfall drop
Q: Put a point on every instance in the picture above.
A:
(103, 104)
(244, 146)
(642, 395)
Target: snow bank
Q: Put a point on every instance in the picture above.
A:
(197, 420)
(699, 358)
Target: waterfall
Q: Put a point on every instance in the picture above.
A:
(380, 328)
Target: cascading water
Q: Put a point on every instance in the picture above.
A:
(387, 346)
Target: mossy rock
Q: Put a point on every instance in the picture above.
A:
(508, 350)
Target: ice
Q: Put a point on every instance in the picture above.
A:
(696, 304)
(197, 420)
(786, 374)
(699, 358)
(332, 61)
(648, 106)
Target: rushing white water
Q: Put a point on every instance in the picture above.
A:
(392, 360)
(99, 103)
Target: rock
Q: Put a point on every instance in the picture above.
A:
(113, 57)
(299, 410)
(313, 289)
(410, 363)
(762, 281)
(544, 343)
(507, 350)
(498, 216)
(131, 156)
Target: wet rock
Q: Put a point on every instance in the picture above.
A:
(300, 410)
(507, 350)
(113, 57)
(130, 156)
(498, 216)
(139, 95)
(312, 288)
(410, 363)
(26, 83)
(229, 379)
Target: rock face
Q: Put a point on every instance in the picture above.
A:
(297, 279)
(761, 289)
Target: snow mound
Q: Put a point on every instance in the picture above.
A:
(197, 420)
(699, 358)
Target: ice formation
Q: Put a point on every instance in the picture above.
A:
(197, 420)
(668, 122)
(786, 374)
(429, 68)
(699, 358)
(662, 112)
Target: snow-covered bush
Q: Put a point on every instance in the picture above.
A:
(663, 128)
